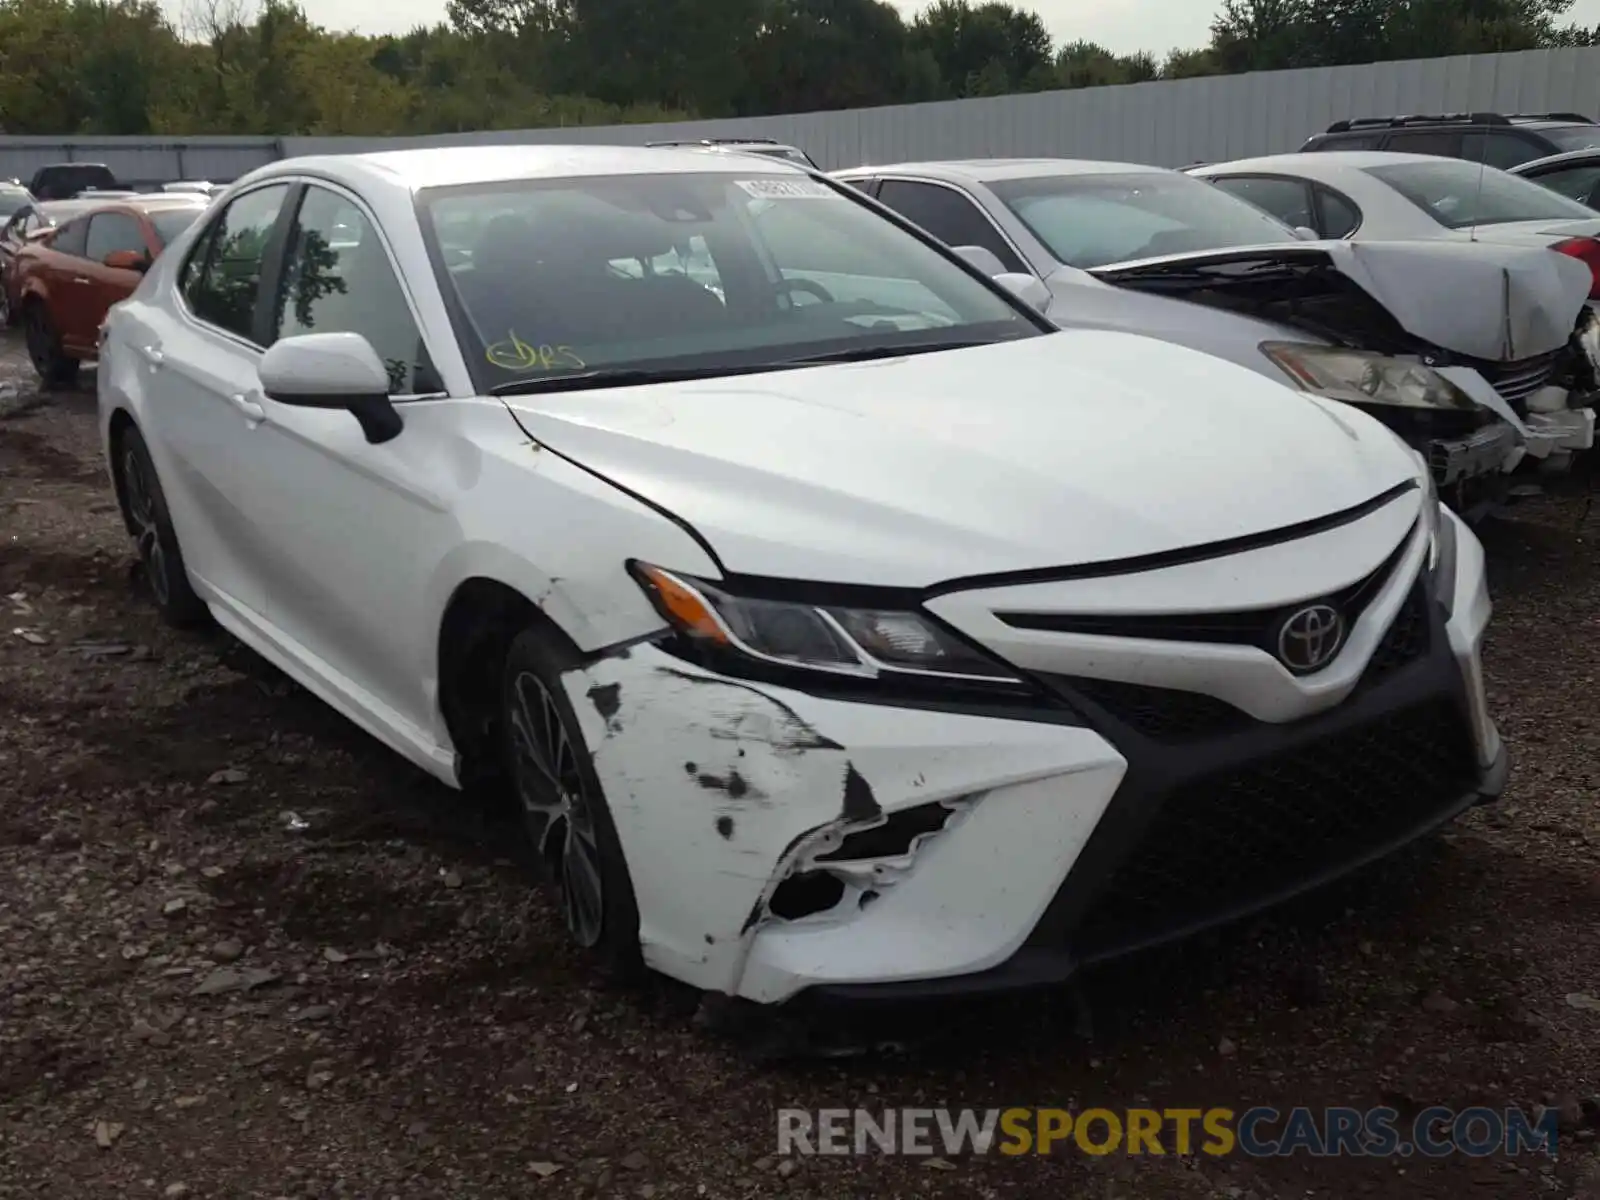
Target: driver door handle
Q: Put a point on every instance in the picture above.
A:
(81, 279)
(152, 356)
(248, 407)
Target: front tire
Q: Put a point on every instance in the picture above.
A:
(564, 808)
(153, 535)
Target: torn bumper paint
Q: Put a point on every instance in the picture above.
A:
(723, 792)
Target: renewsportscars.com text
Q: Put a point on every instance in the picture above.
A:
(1255, 1132)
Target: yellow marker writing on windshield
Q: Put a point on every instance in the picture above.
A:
(514, 354)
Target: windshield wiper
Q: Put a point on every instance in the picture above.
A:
(868, 353)
(610, 377)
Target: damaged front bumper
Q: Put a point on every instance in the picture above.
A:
(1486, 452)
(777, 840)
(781, 842)
(1564, 431)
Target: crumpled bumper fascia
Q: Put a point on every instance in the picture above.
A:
(721, 789)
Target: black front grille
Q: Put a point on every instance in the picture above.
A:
(1405, 642)
(1227, 843)
(1166, 714)
(1175, 716)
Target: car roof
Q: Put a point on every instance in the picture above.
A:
(454, 166)
(1556, 160)
(720, 143)
(60, 211)
(1310, 163)
(989, 170)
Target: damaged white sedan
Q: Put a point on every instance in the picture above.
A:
(840, 623)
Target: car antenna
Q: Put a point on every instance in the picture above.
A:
(1477, 200)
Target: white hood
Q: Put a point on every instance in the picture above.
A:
(1077, 447)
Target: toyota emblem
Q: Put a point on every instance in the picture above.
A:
(1309, 639)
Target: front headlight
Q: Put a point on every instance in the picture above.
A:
(861, 643)
(1361, 377)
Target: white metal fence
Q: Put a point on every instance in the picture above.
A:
(1166, 123)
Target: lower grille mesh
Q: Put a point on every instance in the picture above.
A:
(1224, 843)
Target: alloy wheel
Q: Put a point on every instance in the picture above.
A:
(146, 530)
(558, 805)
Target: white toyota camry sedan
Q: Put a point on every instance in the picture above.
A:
(841, 625)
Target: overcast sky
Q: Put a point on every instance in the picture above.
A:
(1122, 25)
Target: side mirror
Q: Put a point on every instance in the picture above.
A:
(333, 370)
(984, 259)
(1027, 288)
(128, 260)
(1307, 234)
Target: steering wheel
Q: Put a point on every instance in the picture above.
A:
(810, 287)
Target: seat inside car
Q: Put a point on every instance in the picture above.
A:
(550, 277)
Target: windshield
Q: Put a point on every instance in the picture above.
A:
(1572, 137)
(1093, 220)
(706, 272)
(1460, 194)
(170, 223)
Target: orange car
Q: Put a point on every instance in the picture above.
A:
(65, 281)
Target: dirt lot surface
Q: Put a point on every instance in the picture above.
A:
(247, 952)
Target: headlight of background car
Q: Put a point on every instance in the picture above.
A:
(862, 643)
(1360, 377)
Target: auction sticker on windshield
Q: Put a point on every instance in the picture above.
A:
(786, 189)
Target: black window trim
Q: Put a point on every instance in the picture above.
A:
(272, 284)
(1022, 259)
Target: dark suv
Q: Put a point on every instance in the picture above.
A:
(1501, 140)
(63, 181)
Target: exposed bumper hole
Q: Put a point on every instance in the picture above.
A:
(805, 894)
(891, 839)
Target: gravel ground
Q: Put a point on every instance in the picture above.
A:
(247, 952)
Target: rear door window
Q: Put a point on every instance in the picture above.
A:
(948, 216)
(110, 232)
(1337, 215)
(1425, 141)
(1501, 150)
(1580, 182)
(1287, 199)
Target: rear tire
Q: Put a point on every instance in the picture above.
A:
(153, 535)
(564, 808)
(55, 368)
